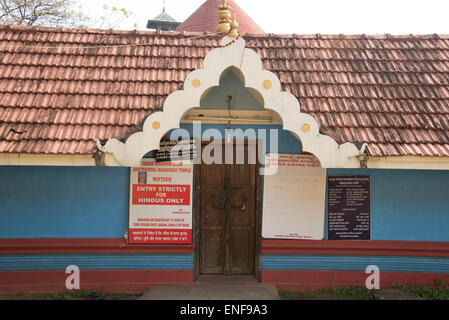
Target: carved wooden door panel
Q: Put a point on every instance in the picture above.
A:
(227, 218)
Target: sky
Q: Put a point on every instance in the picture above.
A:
(302, 16)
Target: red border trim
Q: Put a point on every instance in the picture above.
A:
(45, 246)
(332, 247)
(384, 248)
(139, 280)
(107, 280)
(312, 280)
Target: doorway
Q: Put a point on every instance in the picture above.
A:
(227, 213)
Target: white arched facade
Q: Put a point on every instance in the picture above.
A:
(303, 126)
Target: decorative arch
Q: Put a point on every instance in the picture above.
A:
(232, 55)
(232, 82)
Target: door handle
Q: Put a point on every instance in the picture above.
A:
(228, 207)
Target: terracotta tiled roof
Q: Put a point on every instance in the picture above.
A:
(391, 92)
(205, 19)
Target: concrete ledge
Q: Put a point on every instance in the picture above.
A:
(248, 291)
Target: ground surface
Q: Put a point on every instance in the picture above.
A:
(210, 291)
(349, 294)
(434, 291)
(76, 295)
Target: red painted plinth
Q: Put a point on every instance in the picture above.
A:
(108, 280)
(312, 280)
(382, 248)
(61, 246)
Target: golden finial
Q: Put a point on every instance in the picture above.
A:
(224, 18)
(234, 33)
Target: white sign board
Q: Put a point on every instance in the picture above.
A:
(160, 206)
(294, 198)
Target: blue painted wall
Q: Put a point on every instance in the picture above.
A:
(230, 85)
(77, 202)
(185, 262)
(63, 202)
(407, 204)
(97, 262)
(355, 263)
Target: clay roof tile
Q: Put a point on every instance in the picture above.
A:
(391, 92)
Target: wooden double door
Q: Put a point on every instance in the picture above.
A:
(227, 217)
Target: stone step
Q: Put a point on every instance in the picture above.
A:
(211, 291)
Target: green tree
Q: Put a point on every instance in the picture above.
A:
(112, 17)
(52, 13)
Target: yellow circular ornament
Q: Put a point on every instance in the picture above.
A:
(306, 127)
(156, 125)
(267, 84)
(196, 83)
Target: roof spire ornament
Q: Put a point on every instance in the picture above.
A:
(224, 18)
(234, 33)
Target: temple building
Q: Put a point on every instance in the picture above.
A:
(204, 19)
(218, 151)
(163, 21)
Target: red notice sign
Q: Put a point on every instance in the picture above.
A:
(168, 236)
(160, 207)
(161, 195)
